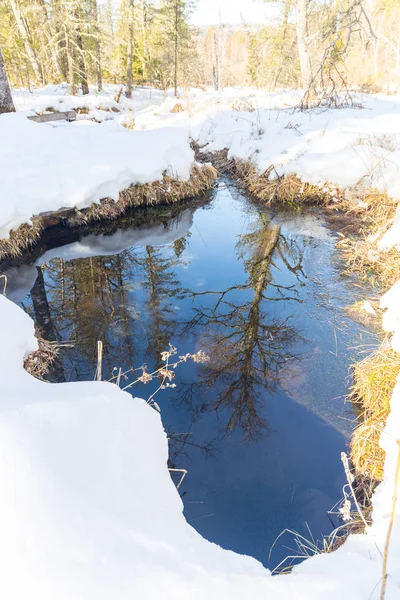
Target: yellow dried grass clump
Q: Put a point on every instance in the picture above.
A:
(38, 362)
(269, 186)
(22, 238)
(177, 108)
(375, 215)
(167, 191)
(374, 381)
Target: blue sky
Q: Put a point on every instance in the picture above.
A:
(233, 11)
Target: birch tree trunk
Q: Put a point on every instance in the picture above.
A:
(302, 44)
(25, 35)
(6, 101)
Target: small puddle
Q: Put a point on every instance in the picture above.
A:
(259, 428)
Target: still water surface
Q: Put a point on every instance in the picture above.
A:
(261, 426)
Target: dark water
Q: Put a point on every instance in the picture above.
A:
(260, 427)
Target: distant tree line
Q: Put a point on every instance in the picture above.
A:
(311, 44)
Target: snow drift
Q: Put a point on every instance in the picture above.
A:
(44, 168)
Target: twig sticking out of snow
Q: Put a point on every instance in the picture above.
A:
(350, 480)
(390, 528)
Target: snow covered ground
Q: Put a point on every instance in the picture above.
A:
(45, 168)
(87, 507)
(84, 161)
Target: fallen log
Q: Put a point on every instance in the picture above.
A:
(69, 115)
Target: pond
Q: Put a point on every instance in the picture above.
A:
(261, 425)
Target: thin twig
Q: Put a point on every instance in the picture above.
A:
(99, 360)
(184, 473)
(350, 480)
(390, 528)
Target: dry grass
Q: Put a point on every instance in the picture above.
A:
(374, 380)
(167, 191)
(375, 215)
(244, 105)
(269, 186)
(38, 362)
(22, 238)
(82, 110)
(177, 108)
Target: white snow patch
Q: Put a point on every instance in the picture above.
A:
(44, 168)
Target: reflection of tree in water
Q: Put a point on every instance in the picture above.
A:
(44, 324)
(93, 299)
(162, 284)
(246, 346)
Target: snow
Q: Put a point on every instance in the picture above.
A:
(392, 237)
(87, 507)
(79, 163)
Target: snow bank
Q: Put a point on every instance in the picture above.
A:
(346, 147)
(88, 509)
(44, 168)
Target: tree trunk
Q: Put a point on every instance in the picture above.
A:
(217, 72)
(176, 41)
(286, 13)
(302, 44)
(81, 58)
(144, 36)
(25, 35)
(129, 62)
(70, 61)
(97, 46)
(6, 101)
(47, 35)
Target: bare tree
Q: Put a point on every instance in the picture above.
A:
(81, 57)
(6, 101)
(26, 37)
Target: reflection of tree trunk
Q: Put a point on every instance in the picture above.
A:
(44, 323)
(272, 236)
(262, 265)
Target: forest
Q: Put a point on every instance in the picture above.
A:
(310, 44)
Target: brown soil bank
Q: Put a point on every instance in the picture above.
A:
(166, 191)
